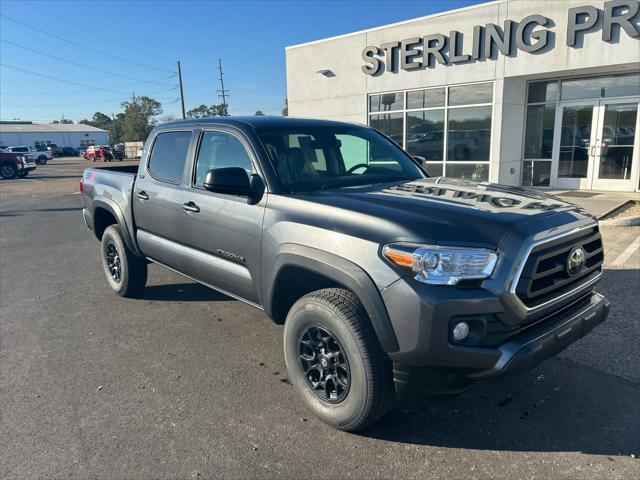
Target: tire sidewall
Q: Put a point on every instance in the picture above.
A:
(113, 235)
(7, 165)
(310, 313)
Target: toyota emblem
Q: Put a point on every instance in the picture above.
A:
(576, 259)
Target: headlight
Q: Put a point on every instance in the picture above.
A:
(21, 158)
(437, 265)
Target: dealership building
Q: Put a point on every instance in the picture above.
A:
(61, 134)
(541, 93)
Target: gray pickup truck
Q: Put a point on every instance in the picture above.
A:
(389, 283)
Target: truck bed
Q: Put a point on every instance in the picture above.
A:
(118, 168)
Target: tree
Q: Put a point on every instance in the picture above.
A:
(105, 122)
(208, 111)
(259, 113)
(138, 118)
(285, 110)
(170, 117)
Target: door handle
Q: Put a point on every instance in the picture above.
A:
(142, 195)
(190, 207)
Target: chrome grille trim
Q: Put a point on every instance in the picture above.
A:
(525, 258)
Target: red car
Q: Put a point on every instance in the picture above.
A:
(99, 152)
(15, 165)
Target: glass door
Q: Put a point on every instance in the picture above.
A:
(615, 152)
(574, 146)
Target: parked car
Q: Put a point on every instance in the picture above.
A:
(82, 152)
(68, 152)
(387, 281)
(118, 151)
(55, 150)
(40, 156)
(99, 152)
(14, 164)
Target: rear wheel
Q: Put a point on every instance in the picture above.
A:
(335, 361)
(7, 170)
(125, 271)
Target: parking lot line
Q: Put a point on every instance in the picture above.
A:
(626, 254)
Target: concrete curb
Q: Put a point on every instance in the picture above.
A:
(621, 222)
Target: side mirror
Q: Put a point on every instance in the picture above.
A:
(230, 180)
(423, 163)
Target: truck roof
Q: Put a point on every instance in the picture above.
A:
(253, 121)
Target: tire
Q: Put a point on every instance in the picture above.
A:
(7, 171)
(132, 269)
(42, 160)
(369, 390)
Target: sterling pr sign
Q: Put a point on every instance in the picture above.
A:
(533, 34)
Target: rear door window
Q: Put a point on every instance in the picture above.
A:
(169, 155)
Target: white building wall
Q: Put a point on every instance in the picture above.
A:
(344, 95)
(62, 139)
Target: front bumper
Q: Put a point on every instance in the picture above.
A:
(27, 167)
(546, 340)
(430, 361)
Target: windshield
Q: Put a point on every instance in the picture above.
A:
(327, 156)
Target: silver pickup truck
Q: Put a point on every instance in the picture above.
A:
(387, 281)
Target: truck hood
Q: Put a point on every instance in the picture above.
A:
(448, 211)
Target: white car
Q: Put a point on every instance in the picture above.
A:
(39, 156)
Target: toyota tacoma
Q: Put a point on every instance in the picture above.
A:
(389, 282)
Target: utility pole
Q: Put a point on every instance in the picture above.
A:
(181, 94)
(222, 93)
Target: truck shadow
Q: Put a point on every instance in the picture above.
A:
(183, 292)
(584, 400)
(559, 407)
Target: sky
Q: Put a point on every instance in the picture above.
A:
(71, 59)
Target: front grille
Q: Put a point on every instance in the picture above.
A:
(545, 275)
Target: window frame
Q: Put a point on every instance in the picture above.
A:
(558, 102)
(194, 158)
(150, 171)
(446, 107)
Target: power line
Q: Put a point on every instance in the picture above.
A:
(71, 42)
(110, 100)
(39, 52)
(73, 92)
(60, 79)
(48, 14)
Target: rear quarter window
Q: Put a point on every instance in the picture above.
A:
(169, 155)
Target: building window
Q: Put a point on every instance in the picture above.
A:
(87, 143)
(601, 87)
(539, 132)
(450, 127)
(41, 143)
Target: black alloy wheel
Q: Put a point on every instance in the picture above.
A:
(325, 364)
(113, 262)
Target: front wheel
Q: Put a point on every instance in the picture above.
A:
(125, 271)
(7, 170)
(42, 160)
(334, 360)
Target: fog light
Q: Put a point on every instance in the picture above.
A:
(460, 331)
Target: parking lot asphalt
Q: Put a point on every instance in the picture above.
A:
(188, 383)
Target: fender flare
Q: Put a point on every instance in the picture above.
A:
(113, 208)
(342, 271)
